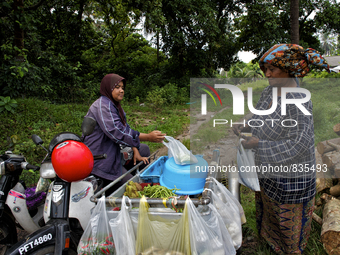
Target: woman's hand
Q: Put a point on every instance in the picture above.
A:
(138, 157)
(250, 142)
(238, 128)
(154, 136)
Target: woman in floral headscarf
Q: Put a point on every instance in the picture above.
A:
(285, 204)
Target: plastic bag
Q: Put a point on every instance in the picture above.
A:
(227, 197)
(97, 237)
(157, 235)
(181, 154)
(246, 168)
(122, 231)
(191, 234)
(208, 234)
(230, 215)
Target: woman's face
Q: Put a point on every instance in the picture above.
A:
(276, 76)
(118, 92)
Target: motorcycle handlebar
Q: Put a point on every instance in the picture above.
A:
(101, 156)
(28, 166)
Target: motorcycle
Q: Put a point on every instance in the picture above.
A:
(71, 196)
(13, 207)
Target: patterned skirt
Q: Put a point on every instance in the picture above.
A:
(286, 227)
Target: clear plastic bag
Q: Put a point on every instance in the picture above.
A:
(246, 168)
(230, 215)
(227, 197)
(97, 237)
(208, 234)
(157, 235)
(181, 154)
(122, 231)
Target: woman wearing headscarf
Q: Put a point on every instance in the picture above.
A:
(112, 130)
(284, 147)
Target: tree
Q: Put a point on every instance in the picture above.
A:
(294, 21)
(328, 43)
(266, 23)
(329, 19)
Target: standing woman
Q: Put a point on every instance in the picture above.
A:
(112, 130)
(285, 204)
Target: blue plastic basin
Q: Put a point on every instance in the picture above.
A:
(154, 170)
(190, 179)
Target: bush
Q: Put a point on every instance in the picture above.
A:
(168, 95)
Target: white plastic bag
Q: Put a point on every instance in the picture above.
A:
(246, 168)
(122, 231)
(230, 215)
(97, 237)
(181, 154)
(226, 197)
(208, 234)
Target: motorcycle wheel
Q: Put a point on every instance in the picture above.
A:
(49, 250)
(8, 231)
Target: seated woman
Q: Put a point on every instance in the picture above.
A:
(112, 130)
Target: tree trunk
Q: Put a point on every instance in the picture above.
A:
(294, 21)
(323, 147)
(330, 231)
(18, 32)
(157, 48)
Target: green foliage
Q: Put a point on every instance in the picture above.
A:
(250, 71)
(8, 104)
(168, 95)
(266, 23)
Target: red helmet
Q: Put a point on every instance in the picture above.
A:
(72, 160)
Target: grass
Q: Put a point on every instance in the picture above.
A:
(314, 246)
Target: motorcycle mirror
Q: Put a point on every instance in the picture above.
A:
(88, 126)
(37, 140)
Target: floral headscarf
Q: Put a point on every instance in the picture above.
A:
(293, 59)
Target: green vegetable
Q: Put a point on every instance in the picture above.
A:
(157, 191)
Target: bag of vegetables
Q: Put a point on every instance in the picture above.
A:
(192, 233)
(157, 235)
(122, 230)
(97, 238)
(181, 154)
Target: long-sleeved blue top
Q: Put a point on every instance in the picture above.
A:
(106, 137)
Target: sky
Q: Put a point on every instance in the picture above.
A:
(246, 56)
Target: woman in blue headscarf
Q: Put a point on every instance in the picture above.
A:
(284, 151)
